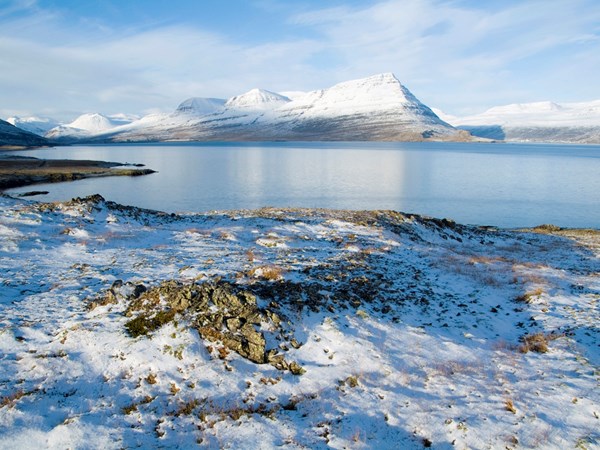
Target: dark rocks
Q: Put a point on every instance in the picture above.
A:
(218, 310)
(33, 193)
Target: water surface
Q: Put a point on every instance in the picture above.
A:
(507, 185)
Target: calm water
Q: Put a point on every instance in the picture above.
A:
(506, 185)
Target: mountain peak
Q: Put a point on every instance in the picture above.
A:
(92, 122)
(201, 106)
(257, 99)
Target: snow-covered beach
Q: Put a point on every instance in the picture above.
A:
(410, 332)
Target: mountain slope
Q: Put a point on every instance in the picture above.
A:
(86, 125)
(35, 125)
(11, 135)
(539, 121)
(373, 108)
(257, 99)
(200, 106)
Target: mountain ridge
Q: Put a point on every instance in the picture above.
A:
(373, 108)
(568, 122)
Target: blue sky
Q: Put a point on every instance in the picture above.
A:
(61, 58)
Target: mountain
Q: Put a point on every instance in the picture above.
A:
(201, 106)
(33, 124)
(536, 122)
(257, 99)
(11, 135)
(86, 125)
(374, 108)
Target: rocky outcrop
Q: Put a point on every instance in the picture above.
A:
(221, 313)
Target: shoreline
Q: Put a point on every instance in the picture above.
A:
(21, 171)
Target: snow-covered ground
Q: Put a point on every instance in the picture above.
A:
(409, 330)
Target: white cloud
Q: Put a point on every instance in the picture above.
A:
(459, 56)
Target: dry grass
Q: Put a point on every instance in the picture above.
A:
(529, 296)
(352, 381)
(537, 342)
(129, 409)
(151, 379)
(481, 259)
(509, 406)
(489, 271)
(269, 272)
(11, 399)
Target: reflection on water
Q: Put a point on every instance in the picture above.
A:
(500, 184)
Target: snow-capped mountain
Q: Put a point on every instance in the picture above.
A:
(257, 99)
(33, 124)
(86, 125)
(374, 108)
(539, 121)
(11, 135)
(201, 106)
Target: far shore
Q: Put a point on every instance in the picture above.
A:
(20, 171)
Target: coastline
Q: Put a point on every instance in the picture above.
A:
(20, 171)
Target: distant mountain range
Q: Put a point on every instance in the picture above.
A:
(377, 108)
(373, 108)
(535, 122)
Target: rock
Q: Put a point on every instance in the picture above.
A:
(296, 368)
(216, 310)
(233, 324)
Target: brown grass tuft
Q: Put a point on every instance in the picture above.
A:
(529, 296)
(509, 406)
(270, 272)
(537, 342)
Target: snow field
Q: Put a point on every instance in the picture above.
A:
(425, 351)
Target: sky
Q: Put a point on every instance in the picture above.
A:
(62, 58)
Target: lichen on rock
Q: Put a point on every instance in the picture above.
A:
(218, 310)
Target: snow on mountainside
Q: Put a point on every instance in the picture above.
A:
(86, 125)
(539, 121)
(201, 106)
(373, 108)
(293, 95)
(370, 94)
(92, 122)
(257, 99)
(33, 124)
(11, 135)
